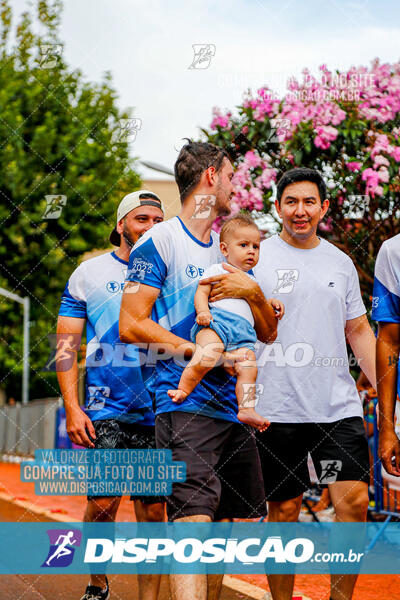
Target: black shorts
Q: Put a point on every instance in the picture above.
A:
(339, 451)
(223, 471)
(112, 434)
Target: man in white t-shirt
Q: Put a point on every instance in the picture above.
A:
(306, 389)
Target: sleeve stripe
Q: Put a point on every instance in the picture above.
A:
(385, 304)
(146, 265)
(70, 307)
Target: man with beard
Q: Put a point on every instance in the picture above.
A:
(119, 413)
(223, 473)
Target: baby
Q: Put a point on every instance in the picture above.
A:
(228, 326)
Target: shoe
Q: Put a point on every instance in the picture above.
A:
(93, 592)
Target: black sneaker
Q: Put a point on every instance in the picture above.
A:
(93, 592)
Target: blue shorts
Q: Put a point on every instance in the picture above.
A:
(235, 331)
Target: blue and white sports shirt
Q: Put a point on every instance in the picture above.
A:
(115, 381)
(170, 258)
(386, 298)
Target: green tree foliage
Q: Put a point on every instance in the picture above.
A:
(58, 136)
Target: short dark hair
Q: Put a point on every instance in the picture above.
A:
(193, 159)
(301, 174)
(234, 223)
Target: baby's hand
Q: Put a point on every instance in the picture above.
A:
(178, 396)
(204, 318)
(278, 307)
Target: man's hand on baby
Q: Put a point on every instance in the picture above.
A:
(178, 396)
(234, 284)
(204, 318)
(278, 307)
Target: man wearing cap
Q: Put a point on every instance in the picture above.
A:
(118, 412)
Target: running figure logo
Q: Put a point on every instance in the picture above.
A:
(330, 470)
(279, 130)
(97, 397)
(49, 55)
(61, 551)
(54, 206)
(251, 393)
(286, 280)
(62, 349)
(204, 203)
(203, 54)
(126, 130)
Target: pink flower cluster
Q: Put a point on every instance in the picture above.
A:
(372, 180)
(326, 108)
(382, 152)
(265, 104)
(325, 135)
(220, 120)
(354, 166)
(380, 99)
(249, 187)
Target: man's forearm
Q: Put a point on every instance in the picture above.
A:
(147, 331)
(265, 322)
(363, 344)
(68, 382)
(387, 353)
(69, 334)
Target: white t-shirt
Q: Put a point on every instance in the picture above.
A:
(305, 372)
(237, 306)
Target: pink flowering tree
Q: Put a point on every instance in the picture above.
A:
(344, 124)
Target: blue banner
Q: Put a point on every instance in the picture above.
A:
(252, 548)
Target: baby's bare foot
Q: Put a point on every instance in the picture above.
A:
(251, 417)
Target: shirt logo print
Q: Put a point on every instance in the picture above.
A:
(113, 286)
(191, 271)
